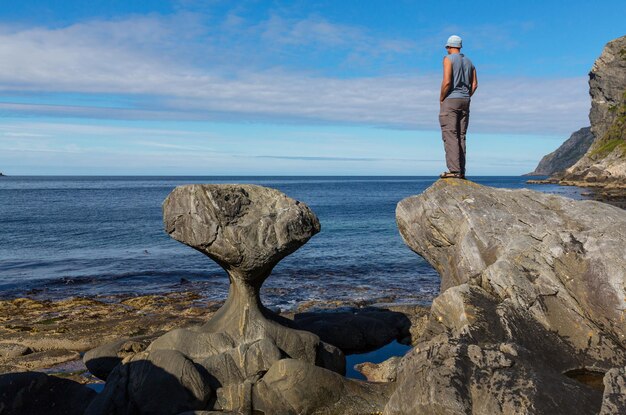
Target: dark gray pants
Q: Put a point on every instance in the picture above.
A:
(454, 118)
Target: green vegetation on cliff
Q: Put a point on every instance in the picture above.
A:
(615, 137)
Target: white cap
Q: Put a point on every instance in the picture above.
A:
(455, 41)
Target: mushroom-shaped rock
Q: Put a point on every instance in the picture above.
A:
(247, 230)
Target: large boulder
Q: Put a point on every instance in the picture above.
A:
(562, 262)
(536, 279)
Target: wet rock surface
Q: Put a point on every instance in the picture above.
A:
(533, 287)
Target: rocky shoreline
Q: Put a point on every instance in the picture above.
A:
(530, 318)
(601, 192)
(39, 334)
(566, 155)
(52, 335)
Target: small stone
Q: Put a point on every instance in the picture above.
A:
(8, 350)
(380, 372)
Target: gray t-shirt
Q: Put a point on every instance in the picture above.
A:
(462, 76)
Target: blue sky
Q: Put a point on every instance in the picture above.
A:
(287, 87)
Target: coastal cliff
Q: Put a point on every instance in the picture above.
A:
(566, 155)
(604, 164)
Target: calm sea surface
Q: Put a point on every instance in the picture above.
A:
(103, 236)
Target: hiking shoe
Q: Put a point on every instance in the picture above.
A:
(451, 175)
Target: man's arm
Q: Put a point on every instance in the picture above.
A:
(474, 82)
(447, 79)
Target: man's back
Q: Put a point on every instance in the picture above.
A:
(462, 76)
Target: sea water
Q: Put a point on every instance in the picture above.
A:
(103, 236)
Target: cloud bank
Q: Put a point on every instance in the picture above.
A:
(183, 67)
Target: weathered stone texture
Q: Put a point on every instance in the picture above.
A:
(533, 286)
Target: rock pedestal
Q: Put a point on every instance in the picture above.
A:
(247, 230)
(245, 354)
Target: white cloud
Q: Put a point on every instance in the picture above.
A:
(145, 57)
(317, 31)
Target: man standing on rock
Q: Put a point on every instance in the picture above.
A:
(458, 85)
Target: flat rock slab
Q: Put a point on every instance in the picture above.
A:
(47, 327)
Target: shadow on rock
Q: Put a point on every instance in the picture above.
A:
(358, 330)
(37, 393)
(161, 382)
